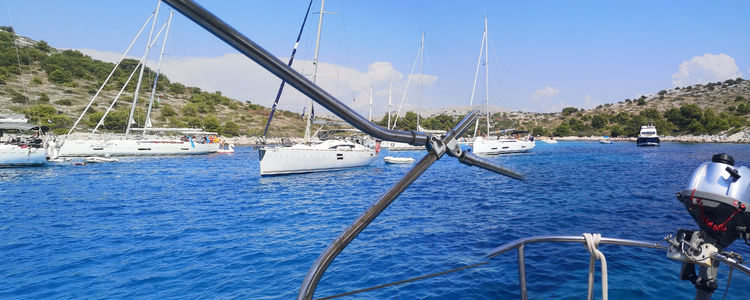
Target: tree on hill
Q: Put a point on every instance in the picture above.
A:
(569, 110)
(539, 131)
(562, 130)
(598, 121)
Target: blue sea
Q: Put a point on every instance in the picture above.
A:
(206, 227)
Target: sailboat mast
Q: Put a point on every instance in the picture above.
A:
(143, 67)
(156, 77)
(390, 97)
(369, 118)
(486, 75)
(408, 81)
(419, 83)
(476, 75)
(315, 67)
(107, 79)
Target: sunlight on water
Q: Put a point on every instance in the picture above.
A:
(210, 227)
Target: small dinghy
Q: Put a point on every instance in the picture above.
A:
(398, 160)
(97, 159)
(226, 148)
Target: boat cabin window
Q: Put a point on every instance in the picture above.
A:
(342, 146)
(286, 142)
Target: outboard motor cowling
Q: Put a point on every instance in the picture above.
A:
(717, 196)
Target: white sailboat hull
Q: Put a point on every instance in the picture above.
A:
(13, 156)
(501, 146)
(303, 158)
(398, 146)
(126, 147)
(398, 160)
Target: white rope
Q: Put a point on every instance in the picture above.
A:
(591, 244)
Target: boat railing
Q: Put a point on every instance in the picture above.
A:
(519, 246)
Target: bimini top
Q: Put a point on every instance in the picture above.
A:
(648, 131)
(12, 118)
(16, 126)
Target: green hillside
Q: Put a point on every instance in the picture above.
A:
(702, 109)
(53, 87)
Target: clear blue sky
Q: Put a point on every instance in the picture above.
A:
(543, 55)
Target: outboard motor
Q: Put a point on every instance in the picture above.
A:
(717, 197)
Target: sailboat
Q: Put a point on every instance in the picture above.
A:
(127, 144)
(491, 145)
(313, 156)
(21, 144)
(17, 148)
(398, 146)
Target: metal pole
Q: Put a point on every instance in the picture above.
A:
(315, 68)
(390, 97)
(419, 82)
(369, 118)
(522, 273)
(156, 78)
(269, 62)
(143, 68)
(487, 75)
(307, 290)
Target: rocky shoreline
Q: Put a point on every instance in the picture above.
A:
(742, 137)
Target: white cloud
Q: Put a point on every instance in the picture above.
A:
(103, 55)
(238, 77)
(706, 68)
(587, 103)
(553, 107)
(544, 93)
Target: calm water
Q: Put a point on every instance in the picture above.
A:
(209, 227)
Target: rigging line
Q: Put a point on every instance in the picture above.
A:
(291, 59)
(131, 117)
(408, 81)
(142, 64)
(405, 281)
(18, 59)
(476, 75)
(147, 122)
(107, 79)
(497, 80)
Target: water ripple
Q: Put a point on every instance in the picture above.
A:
(210, 227)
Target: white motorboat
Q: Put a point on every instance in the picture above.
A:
(648, 136)
(605, 140)
(398, 160)
(314, 157)
(549, 141)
